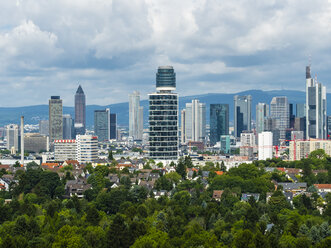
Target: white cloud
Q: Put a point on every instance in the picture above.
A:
(114, 47)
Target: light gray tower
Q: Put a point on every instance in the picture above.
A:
(68, 127)
(163, 116)
(55, 118)
(262, 112)
(315, 108)
(279, 111)
(195, 121)
(44, 127)
(12, 137)
(135, 116)
(242, 114)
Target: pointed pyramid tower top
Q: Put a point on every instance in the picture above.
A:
(79, 90)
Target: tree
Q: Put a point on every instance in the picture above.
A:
(92, 215)
(181, 168)
(110, 155)
(118, 233)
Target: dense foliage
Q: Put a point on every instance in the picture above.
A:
(130, 215)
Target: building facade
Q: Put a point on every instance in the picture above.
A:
(219, 122)
(247, 144)
(55, 118)
(113, 126)
(163, 116)
(315, 108)
(12, 137)
(87, 148)
(300, 149)
(242, 114)
(135, 116)
(265, 147)
(68, 127)
(300, 110)
(80, 111)
(279, 111)
(262, 112)
(35, 142)
(65, 150)
(195, 121)
(102, 124)
(44, 127)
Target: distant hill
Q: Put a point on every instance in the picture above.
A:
(33, 114)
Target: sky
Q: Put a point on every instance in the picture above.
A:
(114, 47)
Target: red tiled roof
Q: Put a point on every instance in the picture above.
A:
(323, 186)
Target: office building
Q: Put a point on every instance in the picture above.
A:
(87, 148)
(328, 134)
(297, 135)
(102, 124)
(35, 142)
(135, 116)
(315, 108)
(291, 116)
(265, 146)
(195, 121)
(300, 149)
(300, 110)
(262, 112)
(68, 127)
(80, 111)
(55, 118)
(163, 116)
(44, 127)
(12, 137)
(279, 110)
(300, 125)
(247, 143)
(225, 142)
(219, 122)
(113, 126)
(242, 114)
(182, 126)
(65, 150)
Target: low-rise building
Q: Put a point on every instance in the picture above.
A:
(65, 150)
(35, 142)
(300, 149)
(323, 187)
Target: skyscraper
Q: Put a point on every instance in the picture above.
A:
(300, 110)
(219, 122)
(55, 118)
(315, 108)
(262, 112)
(12, 137)
(242, 114)
(135, 116)
(80, 111)
(279, 111)
(68, 127)
(195, 121)
(113, 126)
(163, 116)
(44, 127)
(102, 124)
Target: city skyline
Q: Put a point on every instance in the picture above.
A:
(113, 46)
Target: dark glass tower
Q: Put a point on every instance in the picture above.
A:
(113, 124)
(102, 124)
(80, 111)
(219, 122)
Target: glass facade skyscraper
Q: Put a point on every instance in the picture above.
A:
(242, 114)
(279, 111)
(195, 121)
(219, 122)
(80, 111)
(102, 124)
(68, 127)
(300, 110)
(113, 126)
(135, 116)
(262, 112)
(163, 116)
(315, 108)
(55, 118)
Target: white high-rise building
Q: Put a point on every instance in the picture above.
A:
(195, 121)
(135, 116)
(87, 148)
(265, 145)
(247, 143)
(12, 137)
(65, 150)
(182, 126)
(315, 108)
(262, 112)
